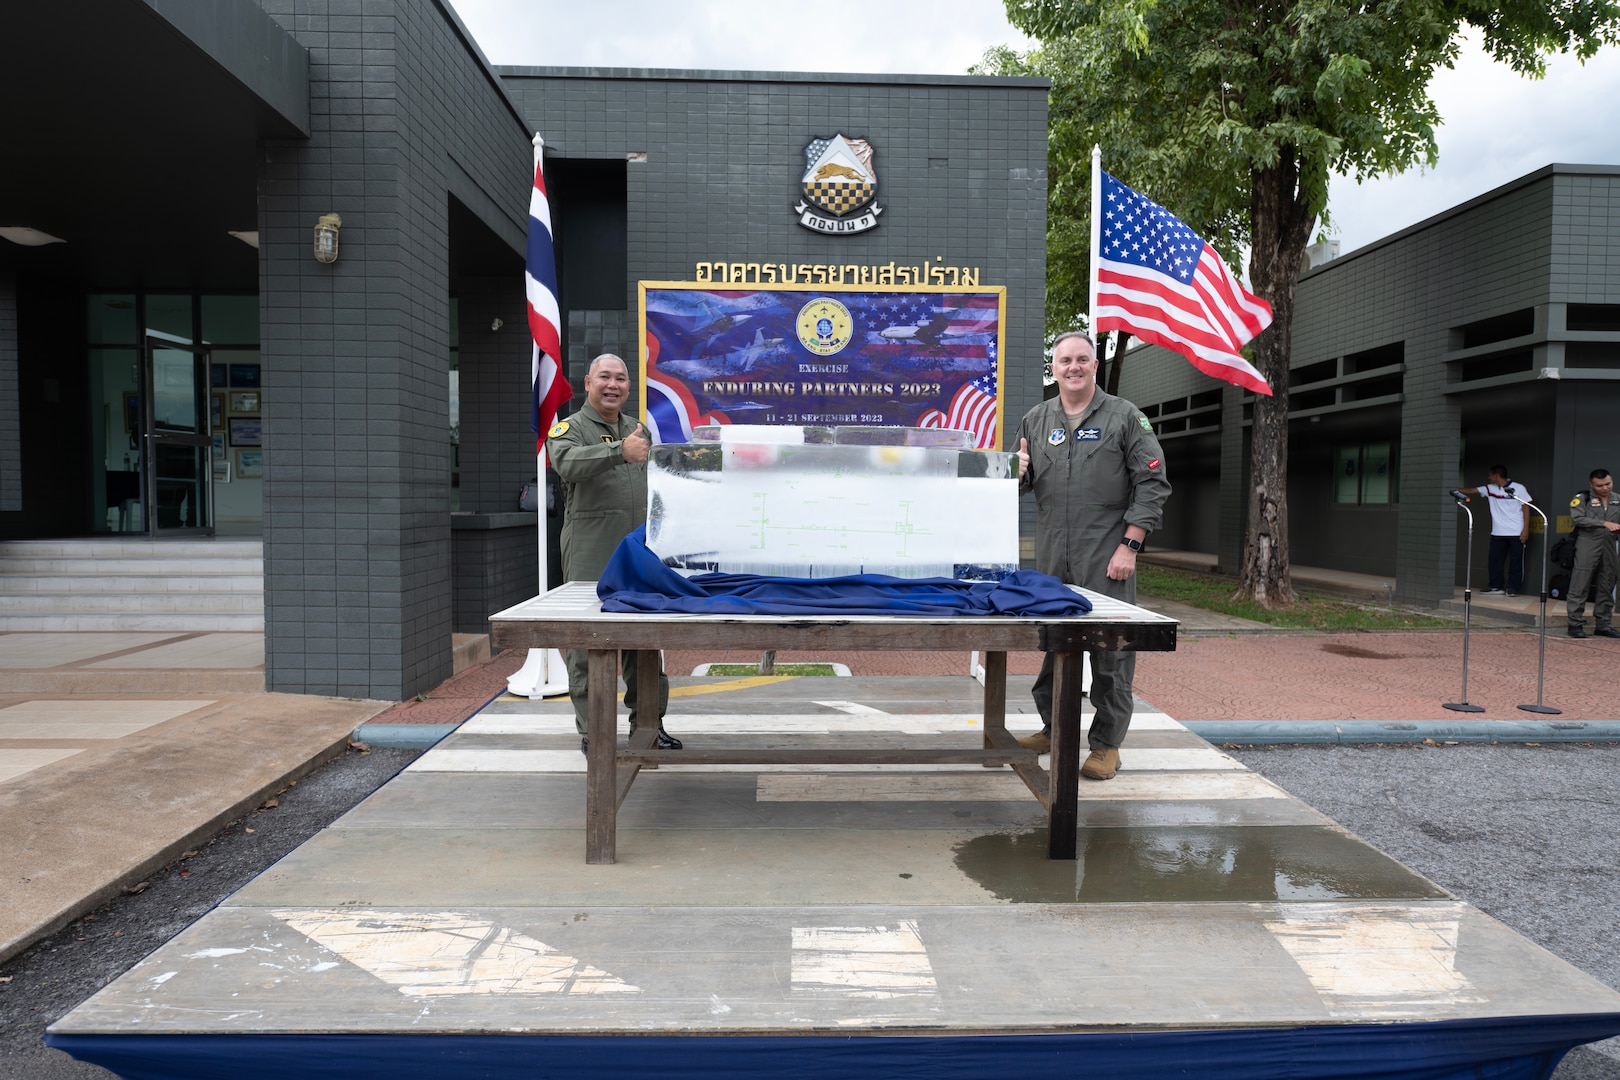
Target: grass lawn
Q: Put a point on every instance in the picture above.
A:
(781, 669)
(1313, 611)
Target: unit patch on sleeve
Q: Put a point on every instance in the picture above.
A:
(560, 428)
(1147, 425)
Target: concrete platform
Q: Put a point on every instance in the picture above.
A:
(806, 902)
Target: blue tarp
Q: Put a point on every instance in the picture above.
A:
(637, 580)
(1487, 1048)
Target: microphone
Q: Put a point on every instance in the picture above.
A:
(1457, 494)
(1510, 492)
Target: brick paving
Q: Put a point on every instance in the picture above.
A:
(1395, 675)
(459, 696)
(1274, 675)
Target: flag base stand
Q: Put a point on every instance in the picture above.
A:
(1462, 706)
(1546, 710)
(542, 675)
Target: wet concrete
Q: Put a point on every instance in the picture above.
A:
(1179, 865)
(810, 899)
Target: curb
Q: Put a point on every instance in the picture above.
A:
(402, 736)
(1351, 732)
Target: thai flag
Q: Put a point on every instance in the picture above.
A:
(551, 387)
(1159, 280)
(972, 409)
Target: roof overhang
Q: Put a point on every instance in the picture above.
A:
(132, 132)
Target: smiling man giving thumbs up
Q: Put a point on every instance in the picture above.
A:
(601, 457)
(1097, 472)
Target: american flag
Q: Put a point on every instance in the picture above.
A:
(972, 409)
(1159, 280)
(551, 387)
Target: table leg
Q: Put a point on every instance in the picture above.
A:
(1063, 814)
(649, 662)
(995, 695)
(601, 801)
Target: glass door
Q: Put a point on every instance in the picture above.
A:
(179, 442)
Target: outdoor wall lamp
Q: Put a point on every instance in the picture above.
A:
(326, 238)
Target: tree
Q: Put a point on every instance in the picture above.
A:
(1233, 114)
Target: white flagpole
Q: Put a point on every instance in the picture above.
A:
(543, 673)
(1096, 237)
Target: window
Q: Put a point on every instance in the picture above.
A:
(1364, 474)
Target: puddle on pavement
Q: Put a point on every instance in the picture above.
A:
(1133, 865)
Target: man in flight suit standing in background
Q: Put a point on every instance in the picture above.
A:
(1099, 482)
(1595, 513)
(601, 456)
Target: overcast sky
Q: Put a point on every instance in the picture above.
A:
(1497, 125)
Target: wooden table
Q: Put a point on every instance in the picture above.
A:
(571, 617)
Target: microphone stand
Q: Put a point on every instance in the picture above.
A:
(1468, 603)
(1541, 666)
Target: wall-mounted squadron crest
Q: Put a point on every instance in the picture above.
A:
(839, 186)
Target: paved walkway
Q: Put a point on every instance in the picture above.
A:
(117, 751)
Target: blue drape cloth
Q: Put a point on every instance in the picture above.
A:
(1489, 1048)
(637, 580)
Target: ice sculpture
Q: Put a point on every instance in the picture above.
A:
(825, 501)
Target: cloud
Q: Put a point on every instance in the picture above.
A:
(877, 36)
(1497, 127)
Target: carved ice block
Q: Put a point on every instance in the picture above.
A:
(821, 502)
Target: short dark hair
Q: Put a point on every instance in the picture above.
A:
(1598, 474)
(1499, 470)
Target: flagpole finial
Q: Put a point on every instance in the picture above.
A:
(539, 143)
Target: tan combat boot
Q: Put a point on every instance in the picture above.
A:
(1100, 765)
(1040, 742)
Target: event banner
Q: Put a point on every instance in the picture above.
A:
(894, 356)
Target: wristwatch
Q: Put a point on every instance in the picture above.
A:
(1134, 545)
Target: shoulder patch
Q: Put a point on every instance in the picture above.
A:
(1147, 425)
(1576, 501)
(558, 429)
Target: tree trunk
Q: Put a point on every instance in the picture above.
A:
(1122, 338)
(1281, 225)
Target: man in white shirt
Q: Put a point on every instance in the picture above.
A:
(1510, 529)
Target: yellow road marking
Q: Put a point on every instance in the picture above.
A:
(729, 684)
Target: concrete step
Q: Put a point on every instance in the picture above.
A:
(149, 584)
(217, 603)
(169, 621)
(177, 566)
(161, 549)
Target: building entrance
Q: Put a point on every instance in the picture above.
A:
(177, 473)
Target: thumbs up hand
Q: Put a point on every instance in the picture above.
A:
(635, 446)
(1023, 456)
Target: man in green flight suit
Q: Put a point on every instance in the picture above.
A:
(1595, 515)
(1098, 477)
(601, 456)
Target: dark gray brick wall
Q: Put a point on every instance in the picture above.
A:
(355, 355)
(961, 166)
(495, 566)
(10, 422)
(1547, 240)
